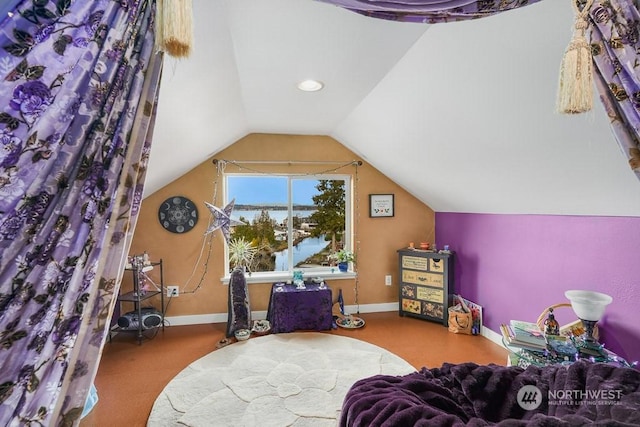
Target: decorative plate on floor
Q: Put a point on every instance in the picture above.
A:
(350, 322)
(178, 214)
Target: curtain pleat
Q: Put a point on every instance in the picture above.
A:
(113, 258)
(615, 44)
(78, 83)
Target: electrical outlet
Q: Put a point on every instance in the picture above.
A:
(387, 280)
(173, 291)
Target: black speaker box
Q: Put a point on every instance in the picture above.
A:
(151, 318)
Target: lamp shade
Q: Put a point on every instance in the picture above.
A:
(588, 305)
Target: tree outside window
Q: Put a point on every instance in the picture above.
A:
(330, 216)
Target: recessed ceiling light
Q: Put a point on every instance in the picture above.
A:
(310, 85)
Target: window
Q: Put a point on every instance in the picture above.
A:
(295, 222)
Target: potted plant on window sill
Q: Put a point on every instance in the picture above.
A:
(344, 257)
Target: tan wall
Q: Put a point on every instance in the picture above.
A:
(378, 238)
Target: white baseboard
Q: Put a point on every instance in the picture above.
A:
(371, 308)
(491, 335)
(199, 319)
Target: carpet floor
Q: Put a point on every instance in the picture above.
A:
(296, 379)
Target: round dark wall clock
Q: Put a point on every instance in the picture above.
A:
(178, 214)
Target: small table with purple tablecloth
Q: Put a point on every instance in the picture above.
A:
(293, 309)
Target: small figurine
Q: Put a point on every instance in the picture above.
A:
(551, 325)
(298, 280)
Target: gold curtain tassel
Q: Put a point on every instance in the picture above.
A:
(575, 89)
(174, 27)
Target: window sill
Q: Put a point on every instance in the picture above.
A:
(285, 276)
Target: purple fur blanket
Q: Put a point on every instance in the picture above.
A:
(468, 394)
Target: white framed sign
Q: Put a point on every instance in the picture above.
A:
(380, 205)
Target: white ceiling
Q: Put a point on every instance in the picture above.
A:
(459, 114)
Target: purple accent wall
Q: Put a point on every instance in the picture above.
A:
(517, 265)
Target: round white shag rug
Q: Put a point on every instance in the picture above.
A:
(295, 379)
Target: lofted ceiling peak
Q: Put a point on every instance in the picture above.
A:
(460, 114)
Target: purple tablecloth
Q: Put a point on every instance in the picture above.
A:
(293, 309)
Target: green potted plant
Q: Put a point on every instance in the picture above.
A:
(344, 257)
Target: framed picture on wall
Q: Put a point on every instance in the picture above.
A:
(380, 205)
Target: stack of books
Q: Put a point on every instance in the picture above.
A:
(522, 334)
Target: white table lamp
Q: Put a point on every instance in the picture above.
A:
(589, 306)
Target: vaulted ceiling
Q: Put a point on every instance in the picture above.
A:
(460, 114)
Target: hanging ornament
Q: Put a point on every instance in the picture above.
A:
(575, 89)
(222, 219)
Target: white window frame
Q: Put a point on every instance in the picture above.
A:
(321, 272)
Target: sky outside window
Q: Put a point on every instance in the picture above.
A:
(270, 190)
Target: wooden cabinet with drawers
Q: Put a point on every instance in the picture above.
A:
(426, 284)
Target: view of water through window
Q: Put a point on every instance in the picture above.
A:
(303, 250)
(317, 219)
(278, 215)
(306, 248)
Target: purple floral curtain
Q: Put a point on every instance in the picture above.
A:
(78, 84)
(429, 11)
(615, 44)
